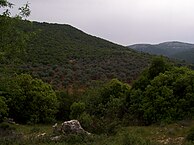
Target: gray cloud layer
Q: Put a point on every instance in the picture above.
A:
(121, 21)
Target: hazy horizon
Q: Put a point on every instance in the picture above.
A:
(125, 22)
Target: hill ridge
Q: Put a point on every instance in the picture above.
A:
(172, 49)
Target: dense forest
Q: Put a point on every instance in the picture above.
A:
(127, 97)
(65, 56)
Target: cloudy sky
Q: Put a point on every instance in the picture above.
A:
(121, 21)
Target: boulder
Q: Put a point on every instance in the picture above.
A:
(68, 127)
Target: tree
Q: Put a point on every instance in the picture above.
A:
(158, 65)
(168, 97)
(24, 11)
(77, 109)
(31, 100)
(12, 39)
(103, 107)
(65, 101)
(5, 4)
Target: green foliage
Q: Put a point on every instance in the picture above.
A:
(31, 100)
(67, 58)
(158, 66)
(24, 11)
(86, 120)
(77, 109)
(65, 101)
(112, 99)
(13, 40)
(165, 96)
(5, 4)
(105, 107)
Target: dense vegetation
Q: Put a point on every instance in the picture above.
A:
(66, 57)
(29, 100)
(166, 96)
(162, 94)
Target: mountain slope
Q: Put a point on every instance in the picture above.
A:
(172, 49)
(64, 56)
(187, 55)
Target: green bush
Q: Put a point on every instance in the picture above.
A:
(166, 96)
(77, 109)
(31, 100)
(65, 101)
(105, 107)
(86, 121)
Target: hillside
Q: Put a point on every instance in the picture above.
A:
(65, 56)
(172, 49)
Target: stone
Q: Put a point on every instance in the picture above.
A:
(72, 126)
(10, 120)
(41, 135)
(56, 138)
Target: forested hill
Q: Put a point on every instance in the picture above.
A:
(174, 49)
(64, 56)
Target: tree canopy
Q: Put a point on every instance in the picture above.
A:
(31, 100)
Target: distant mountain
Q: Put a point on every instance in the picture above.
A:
(174, 49)
(67, 57)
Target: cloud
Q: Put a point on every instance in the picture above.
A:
(121, 21)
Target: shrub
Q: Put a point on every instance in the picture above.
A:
(31, 100)
(77, 109)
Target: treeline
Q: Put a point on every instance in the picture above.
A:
(163, 93)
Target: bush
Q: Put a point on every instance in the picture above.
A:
(162, 94)
(85, 120)
(31, 100)
(77, 109)
(65, 101)
(105, 107)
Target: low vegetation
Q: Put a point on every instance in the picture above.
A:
(173, 134)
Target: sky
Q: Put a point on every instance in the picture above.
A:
(124, 22)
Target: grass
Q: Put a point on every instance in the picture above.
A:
(173, 134)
